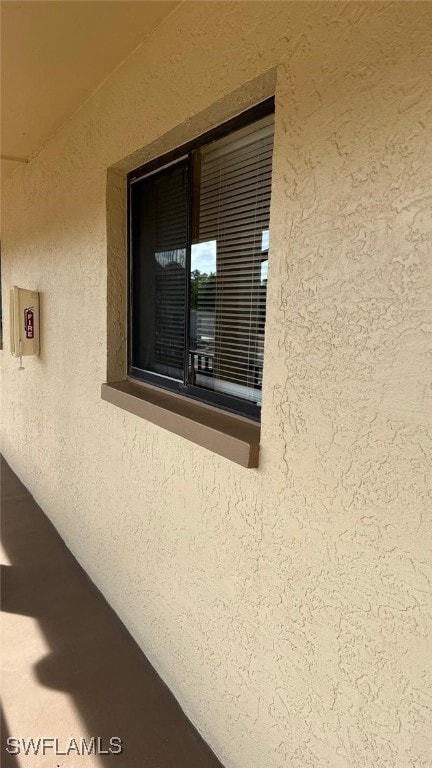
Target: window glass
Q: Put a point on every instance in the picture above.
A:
(159, 232)
(229, 263)
(199, 242)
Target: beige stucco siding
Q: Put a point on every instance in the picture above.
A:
(288, 608)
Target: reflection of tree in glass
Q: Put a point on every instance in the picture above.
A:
(202, 288)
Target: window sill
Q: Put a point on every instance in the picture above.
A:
(234, 437)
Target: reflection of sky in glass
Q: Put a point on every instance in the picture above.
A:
(264, 247)
(203, 257)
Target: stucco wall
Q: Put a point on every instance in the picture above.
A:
(287, 608)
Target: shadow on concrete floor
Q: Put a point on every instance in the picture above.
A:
(7, 760)
(114, 689)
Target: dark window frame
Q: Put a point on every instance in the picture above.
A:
(229, 403)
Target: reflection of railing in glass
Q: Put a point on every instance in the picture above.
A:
(201, 364)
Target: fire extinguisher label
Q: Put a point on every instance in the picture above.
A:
(29, 322)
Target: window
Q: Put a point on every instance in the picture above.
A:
(199, 238)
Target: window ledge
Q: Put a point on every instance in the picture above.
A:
(234, 437)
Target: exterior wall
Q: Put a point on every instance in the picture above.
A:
(287, 608)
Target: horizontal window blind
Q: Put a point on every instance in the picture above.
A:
(228, 274)
(159, 243)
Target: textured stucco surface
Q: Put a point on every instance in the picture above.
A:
(288, 608)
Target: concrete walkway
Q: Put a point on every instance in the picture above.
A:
(70, 669)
